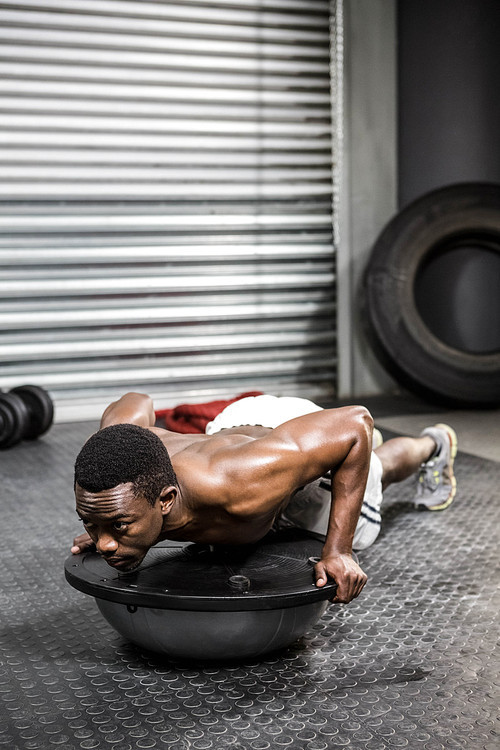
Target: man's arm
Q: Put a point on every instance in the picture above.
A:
(348, 487)
(303, 449)
(349, 471)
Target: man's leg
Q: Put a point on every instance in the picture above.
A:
(432, 455)
(401, 457)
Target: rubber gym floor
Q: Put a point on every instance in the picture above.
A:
(413, 663)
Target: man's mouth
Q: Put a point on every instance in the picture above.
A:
(122, 563)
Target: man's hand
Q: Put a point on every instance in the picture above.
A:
(81, 543)
(347, 574)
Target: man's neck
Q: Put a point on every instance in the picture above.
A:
(177, 520)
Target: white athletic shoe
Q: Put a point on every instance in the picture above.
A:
(436, 481)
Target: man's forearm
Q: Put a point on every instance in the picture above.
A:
(344, 516)
(348, 488)
(336, 562)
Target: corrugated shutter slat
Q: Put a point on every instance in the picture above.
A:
(166, 200)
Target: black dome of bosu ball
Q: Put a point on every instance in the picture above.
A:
(432, 295)
(193, 601)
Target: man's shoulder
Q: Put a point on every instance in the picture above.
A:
(225, 471)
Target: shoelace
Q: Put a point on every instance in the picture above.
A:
(427, 477)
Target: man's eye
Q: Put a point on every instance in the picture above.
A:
(120, 525)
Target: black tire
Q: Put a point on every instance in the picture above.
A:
(454, 215)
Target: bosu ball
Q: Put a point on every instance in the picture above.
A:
(194, 601)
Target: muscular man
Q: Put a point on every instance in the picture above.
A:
(263, 460)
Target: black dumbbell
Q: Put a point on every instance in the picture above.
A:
(26, 412)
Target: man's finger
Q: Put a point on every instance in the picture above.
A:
(81, 543)
(342, 598)
(347, 593)
(320, 574)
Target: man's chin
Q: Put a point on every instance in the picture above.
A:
(132, 566)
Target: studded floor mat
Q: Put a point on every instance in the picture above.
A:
(413, 663)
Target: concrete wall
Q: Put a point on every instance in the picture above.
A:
(369, 172)
(449, 94)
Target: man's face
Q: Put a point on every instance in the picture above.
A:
(122, 526)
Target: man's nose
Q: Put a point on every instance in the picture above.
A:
(106, 545)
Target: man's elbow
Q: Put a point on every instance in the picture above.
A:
(363, 423)
(133, 408)
(142, 407)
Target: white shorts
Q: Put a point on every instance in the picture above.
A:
(309, 508)
(266, 411)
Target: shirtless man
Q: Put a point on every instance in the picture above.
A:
(231, 485)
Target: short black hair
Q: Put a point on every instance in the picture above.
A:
(125, 453)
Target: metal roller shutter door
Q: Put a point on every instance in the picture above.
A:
(166, 200)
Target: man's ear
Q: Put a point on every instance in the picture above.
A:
(168, 496)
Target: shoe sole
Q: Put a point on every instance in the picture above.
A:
(453, 452)
(377, 439)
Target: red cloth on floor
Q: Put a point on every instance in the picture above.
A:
(188, 418)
